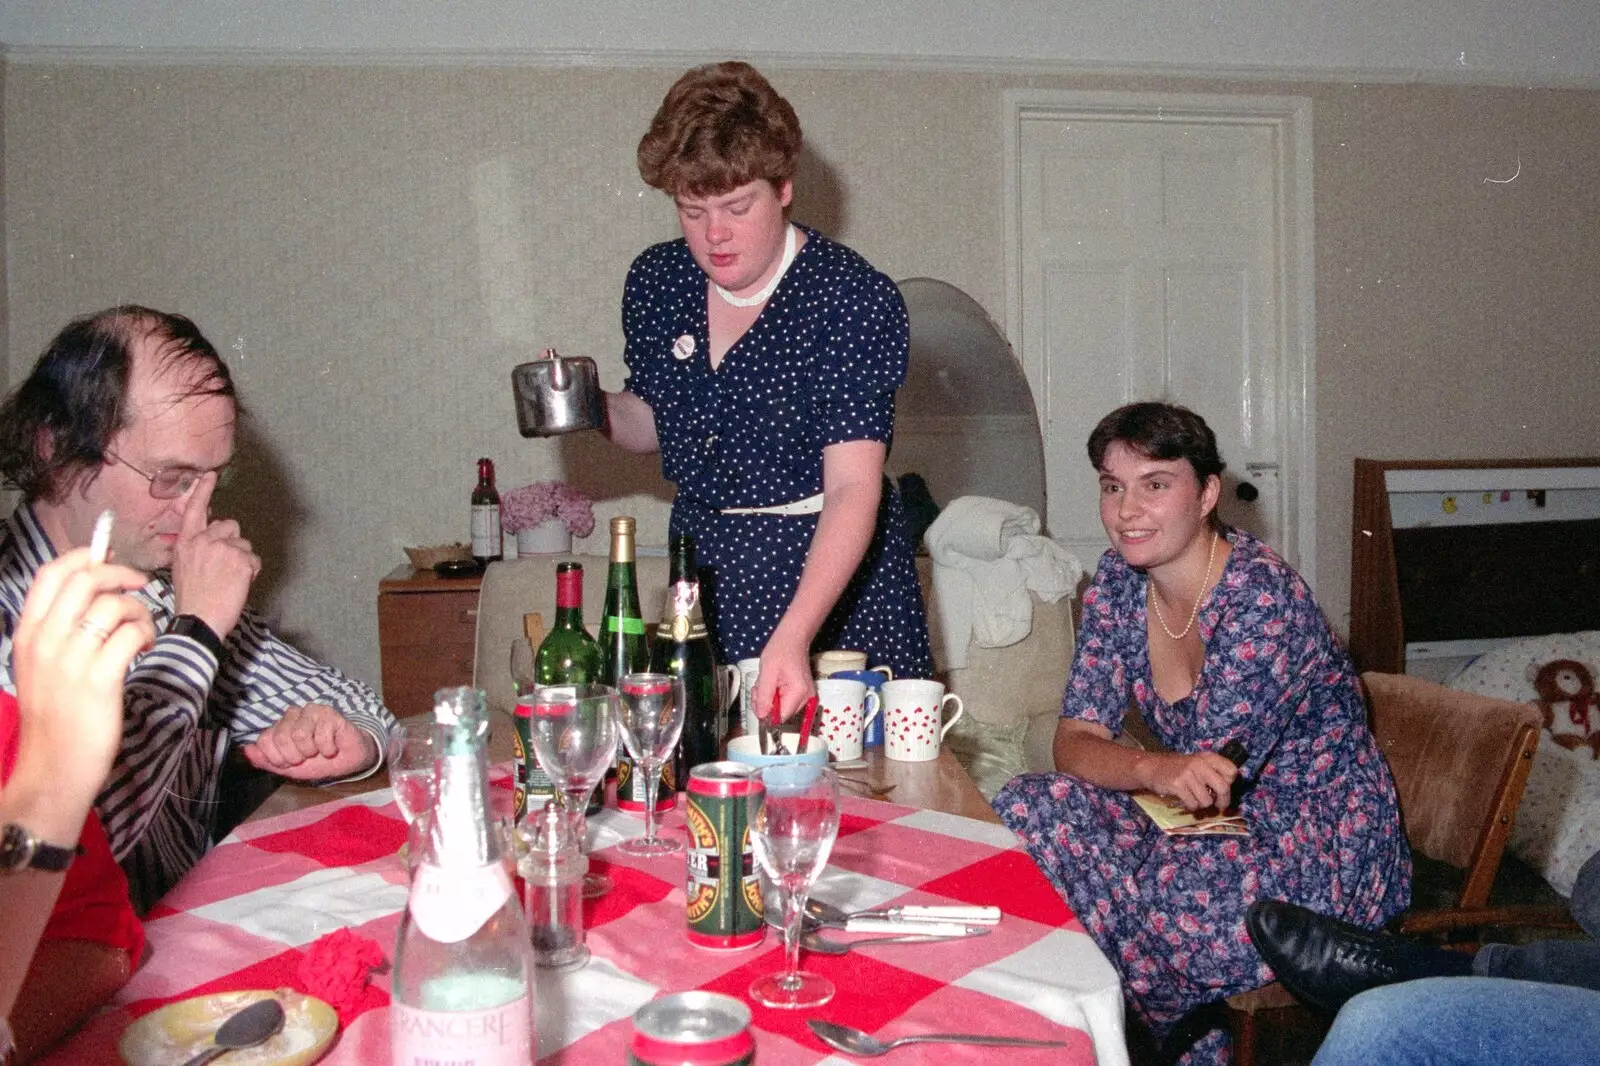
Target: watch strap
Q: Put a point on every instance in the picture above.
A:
(195, 628)
(21, 850)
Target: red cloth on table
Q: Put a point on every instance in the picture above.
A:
(94, 903)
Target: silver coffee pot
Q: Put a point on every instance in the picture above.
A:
(556, 395)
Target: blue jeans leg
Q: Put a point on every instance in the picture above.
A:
(1465, 1021)
(1562, 962)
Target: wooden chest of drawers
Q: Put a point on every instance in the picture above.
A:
(427, 636)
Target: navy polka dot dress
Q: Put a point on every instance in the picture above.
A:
(819, 366)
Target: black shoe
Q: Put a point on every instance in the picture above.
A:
(1324, 961)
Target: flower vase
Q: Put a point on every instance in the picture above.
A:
(550, 537)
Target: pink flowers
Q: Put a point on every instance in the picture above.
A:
(533, 504)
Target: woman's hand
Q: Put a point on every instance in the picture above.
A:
(786, 670)
(73, 643)
(1198, 781)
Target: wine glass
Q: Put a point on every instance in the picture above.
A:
(522, 666)
(410, 759)
(650, 713)
(573, 730)
(793, 819)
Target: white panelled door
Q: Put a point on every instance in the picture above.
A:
(1161, 249)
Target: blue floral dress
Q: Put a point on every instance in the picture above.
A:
(1324, 821)
(819, 366)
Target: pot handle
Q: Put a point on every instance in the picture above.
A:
(560, 376)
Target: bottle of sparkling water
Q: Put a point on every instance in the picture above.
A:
(462, 983)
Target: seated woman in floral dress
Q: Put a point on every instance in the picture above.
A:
(1215, 638)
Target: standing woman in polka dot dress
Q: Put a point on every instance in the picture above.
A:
(763, 361)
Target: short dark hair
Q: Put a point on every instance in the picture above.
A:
(1159, 431)
(61, 419)
(720, 126)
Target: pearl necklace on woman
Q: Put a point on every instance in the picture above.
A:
(1195, 613)
(771, 286)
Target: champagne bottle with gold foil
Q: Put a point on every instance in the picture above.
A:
(683, 650)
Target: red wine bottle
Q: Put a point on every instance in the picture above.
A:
(487, 544)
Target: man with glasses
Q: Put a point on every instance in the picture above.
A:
(131, 410)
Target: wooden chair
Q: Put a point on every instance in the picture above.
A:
(1460, 762)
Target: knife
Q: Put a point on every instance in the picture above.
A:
(941, 913)
(895, 925)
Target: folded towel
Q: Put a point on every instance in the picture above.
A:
(989, 560)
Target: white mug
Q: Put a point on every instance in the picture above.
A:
(912, 710)
(749, 670)
(831, 662)
(847, 707)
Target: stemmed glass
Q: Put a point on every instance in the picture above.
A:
(409, 754)
(793, 819)
(650, 713)
(410, 760)
(573, 729)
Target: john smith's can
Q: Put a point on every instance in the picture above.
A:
(531, 780)
(630, 787)
(692, 1029)
(724, 894)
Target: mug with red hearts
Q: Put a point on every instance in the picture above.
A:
(846, 706)
(913, 718)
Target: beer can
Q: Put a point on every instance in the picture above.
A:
(723, 892)
(692, 1029)
(532, 783)
(630, 787)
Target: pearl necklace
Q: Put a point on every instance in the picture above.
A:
(1195, 613)
(767, 289)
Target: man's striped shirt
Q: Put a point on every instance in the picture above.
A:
(181, 712)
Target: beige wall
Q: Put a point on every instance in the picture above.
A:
(375, 247)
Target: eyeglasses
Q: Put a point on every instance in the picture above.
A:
(171, 482)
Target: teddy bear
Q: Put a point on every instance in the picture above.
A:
(1568, 700)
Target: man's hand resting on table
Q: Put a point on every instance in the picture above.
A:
(312, 742)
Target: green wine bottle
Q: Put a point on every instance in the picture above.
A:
(568, 655)
(626, 650)
(683, 650)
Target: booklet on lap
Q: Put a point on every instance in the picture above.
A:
(1173, 820)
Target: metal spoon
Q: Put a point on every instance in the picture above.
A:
(821, 945)
(857, 1042)
(255, 1024)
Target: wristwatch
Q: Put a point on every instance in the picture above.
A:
(195, 628)
(21, 850)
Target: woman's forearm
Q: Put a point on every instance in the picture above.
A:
(630, 424)
(1081, 750)
(844, 531)
(28, 896)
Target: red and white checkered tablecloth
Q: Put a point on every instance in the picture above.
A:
(243, 916)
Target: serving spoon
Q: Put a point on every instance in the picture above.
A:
(253, 1025)
(854, 1041)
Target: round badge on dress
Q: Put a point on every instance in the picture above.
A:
(683, 347)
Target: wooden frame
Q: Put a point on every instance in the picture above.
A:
(1377, 619)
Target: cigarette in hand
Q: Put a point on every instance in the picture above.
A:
(100, 542)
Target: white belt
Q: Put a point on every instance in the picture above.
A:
(809, 505)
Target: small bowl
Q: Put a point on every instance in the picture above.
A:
(747, 750)
(457, 568)
(427, 558)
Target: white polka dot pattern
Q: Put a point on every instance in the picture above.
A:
(819, 366)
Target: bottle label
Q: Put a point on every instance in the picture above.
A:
(498, 1036)
(617, 624)
(486, 538)
(451, 903)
